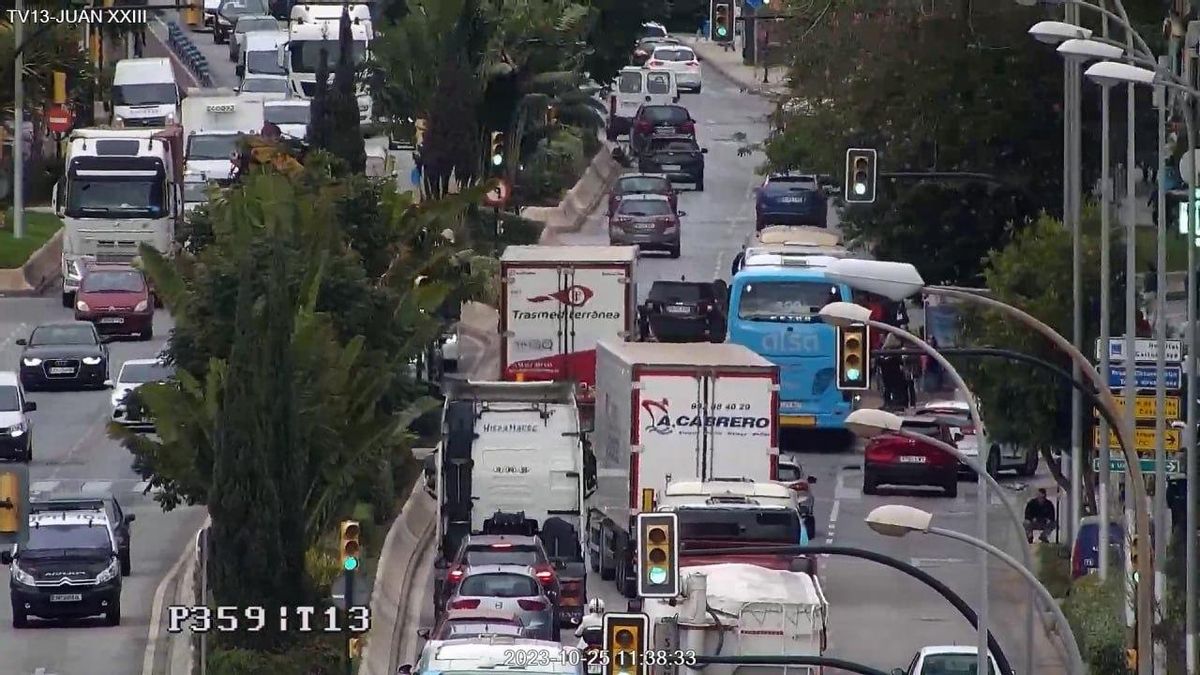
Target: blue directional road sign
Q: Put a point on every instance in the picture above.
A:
(1146, 376)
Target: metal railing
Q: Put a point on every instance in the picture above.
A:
(187, 51)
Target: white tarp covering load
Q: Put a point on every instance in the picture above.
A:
(731, 586)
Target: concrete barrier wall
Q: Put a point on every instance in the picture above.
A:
(43, 268)
(579, 201)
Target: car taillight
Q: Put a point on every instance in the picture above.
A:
(527, 605)
(881, 453)
(455, 575)
(688, 127)
(464, 604)
(545, 576)
(656, 62)
(665, 220)
(644, 125)
(623, 219)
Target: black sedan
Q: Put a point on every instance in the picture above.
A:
(683, 311)
(680, 159)
(64, 356)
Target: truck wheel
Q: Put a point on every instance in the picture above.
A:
(993, 462)
(810, 526)
(607, 569)
(1030, 466)
(951, 487)
(68, 299)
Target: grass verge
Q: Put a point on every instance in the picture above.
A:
(1054, 568)
(39, 227)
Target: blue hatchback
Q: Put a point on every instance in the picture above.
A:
(790, 199)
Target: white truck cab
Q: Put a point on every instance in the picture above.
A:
(313, 29)
(262, 53)
(144, 93)
(213, 119)
(732, 491)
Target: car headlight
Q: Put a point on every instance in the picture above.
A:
(31, 362)
(21, 576)
(17, 431)
(91, 360)
(109, 573)
(141, 306)
(82, 306)
(118, 121)
(116, 402)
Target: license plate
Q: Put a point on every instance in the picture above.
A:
(644, 226)
(61, 370)
(799, 421)
(593, 668)
(912, 459)
(671, 167)
(793, 200)
(112, 319)
(679, 310)
(665, 130)
(66, 597)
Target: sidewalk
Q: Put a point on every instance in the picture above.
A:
(729, 64)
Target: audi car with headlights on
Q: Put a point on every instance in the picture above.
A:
(64, 356)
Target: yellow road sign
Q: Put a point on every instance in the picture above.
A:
(1145, 439)
(1144, 407)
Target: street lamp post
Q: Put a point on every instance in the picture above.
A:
(844, 313)
(897, 520)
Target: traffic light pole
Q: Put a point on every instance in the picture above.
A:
(349, 634)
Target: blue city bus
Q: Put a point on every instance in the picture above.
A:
(773, 305)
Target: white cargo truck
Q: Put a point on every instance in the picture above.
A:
(556, 302)
(313, 31)
(213, 121)
(672, 412)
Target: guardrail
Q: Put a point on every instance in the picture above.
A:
(187, 51)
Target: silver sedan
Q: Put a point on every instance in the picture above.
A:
(508, 588)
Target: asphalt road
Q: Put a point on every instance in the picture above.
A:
(73, 455)
(878, 616)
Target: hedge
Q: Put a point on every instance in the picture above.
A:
(1096, 612)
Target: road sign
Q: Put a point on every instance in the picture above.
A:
(1144, 439)
(1144, 407)
(1145, 349)
(498, 195)
(1145, 377)
(1117, 464)
(59, 119)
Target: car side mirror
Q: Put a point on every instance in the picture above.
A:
(681, 213)
(109, 384)
(441, 564)
(405, 669)
(958, 437)
(30, 406)
(812, 480)
(674, 100)
(648, 99)
(6, 557)
(423, 633)
(131, 517)
(21, 342)
(704, 151)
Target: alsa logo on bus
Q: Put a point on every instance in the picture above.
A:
(791, 342)
(574, 297)
(660, 420)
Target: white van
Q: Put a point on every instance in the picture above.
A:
(262, 53)
(144, 93)
(634, 88)
(497, 654)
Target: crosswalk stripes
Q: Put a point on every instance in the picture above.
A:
(128, 487)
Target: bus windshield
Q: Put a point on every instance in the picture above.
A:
(785, 300)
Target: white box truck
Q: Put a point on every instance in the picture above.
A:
(671, 412)
(213, 122)
(556, 302)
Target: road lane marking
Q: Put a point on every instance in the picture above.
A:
(156, 607)
(97, 486)
(44, 486)
(840, 491)
(86, 437)
(934, 562)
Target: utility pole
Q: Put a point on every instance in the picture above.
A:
(19, 124)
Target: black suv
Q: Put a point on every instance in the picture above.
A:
(112, 510)
(654, 121)
(67, 569)
(683, 311)
(680, 159)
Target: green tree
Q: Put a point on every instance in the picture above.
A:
(346, 140)
(320, 122)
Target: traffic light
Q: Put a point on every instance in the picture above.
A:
(1133, 557)
(350, 547)
(658, 555)
(60, 87)
(853, 358)
(497, 154)
(861, 172)
(14, 503)
(354, 647)
(722, 22)
(626, 637)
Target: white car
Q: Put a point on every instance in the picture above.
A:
(682, 61)
(265, 87)
(944, 660)
(249, 23)
(134, 373)
(290, 116)
(1001, 457)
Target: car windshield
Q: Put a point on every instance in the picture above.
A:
(475, 628)
(306, 54)
(630, 83)
(672, 114)
(215, 146)
(650, 30)
(248, 24)
(59, 537)
(234, 8)
(776, 525)
(674, 54)
(140, 373)
(643, 185)
(780, 300)
(499, 585)
(644, 207)
(678, 291)
(113, 282)
(286, 114)
(508, 555)
(658, 83)
(195, 192)
(789, 473)
(923, 428)
(130, 196)
(673, 145)
(264, 63)
(265, 85)
(9, 402)
(62, 335)
(145, 94)
(953, 664)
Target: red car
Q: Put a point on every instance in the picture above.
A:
(658, 121)
(469, 623)
(117, 299)
(642, 184)
(895, 460)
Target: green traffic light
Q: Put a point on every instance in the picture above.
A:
(350, 564)
(722, 31)
(497, 159)
(853, 374)
(658, 575)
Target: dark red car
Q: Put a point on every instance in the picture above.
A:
(117, 299)
(469, 623)
(642, 184)
(891, 459)
(659, 121)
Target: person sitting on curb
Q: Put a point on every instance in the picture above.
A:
(1039, 515)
